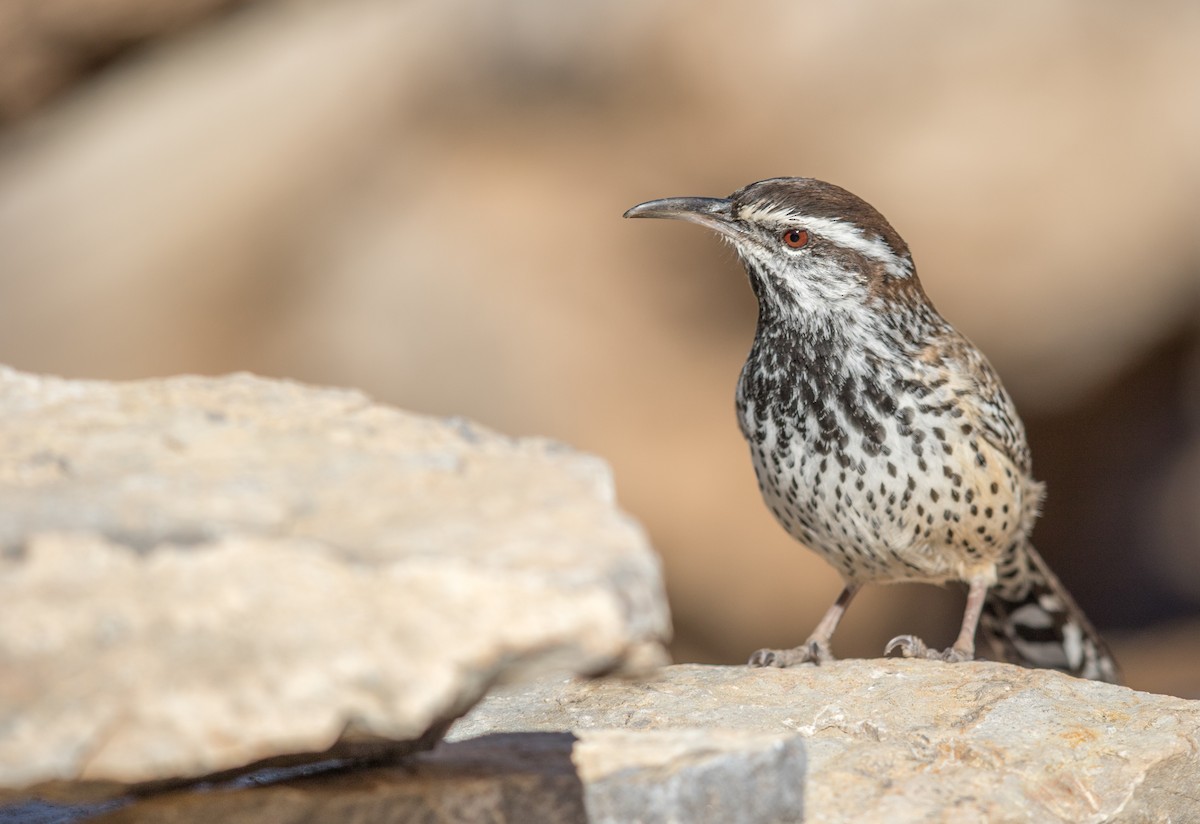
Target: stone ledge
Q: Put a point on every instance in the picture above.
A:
(199, 573)
(854, 741)
(880, 740)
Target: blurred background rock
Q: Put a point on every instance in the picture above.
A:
(423, 200)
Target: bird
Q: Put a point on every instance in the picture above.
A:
(881, 438)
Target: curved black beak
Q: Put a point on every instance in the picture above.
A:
(713, 212)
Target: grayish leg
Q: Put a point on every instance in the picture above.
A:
(911, 646)
(816, 649)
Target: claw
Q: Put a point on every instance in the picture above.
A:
(763, 658)
(911, 646)
(810, 652)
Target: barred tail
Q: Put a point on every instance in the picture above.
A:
(1030, 619)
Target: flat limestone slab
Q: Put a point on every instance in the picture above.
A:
(199, 573)
(864, 741)
(854, 741)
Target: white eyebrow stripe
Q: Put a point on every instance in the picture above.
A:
(842, 233)
(851, 237)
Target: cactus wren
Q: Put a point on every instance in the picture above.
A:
(882, 438)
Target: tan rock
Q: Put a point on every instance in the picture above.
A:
(867, 741)
(201, 572)
(854, 741)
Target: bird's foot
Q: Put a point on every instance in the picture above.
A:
(911, 646)
(810, 652)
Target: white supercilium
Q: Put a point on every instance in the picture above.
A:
(836, 231)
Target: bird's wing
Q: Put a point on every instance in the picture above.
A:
(955, 378)
(984, 400)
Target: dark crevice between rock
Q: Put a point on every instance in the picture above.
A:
(506, 777)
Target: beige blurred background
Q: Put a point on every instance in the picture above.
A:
(423, 200)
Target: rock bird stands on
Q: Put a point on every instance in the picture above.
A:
(882, 438)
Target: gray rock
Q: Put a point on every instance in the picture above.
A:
(865, 741)
(718, 775)
(854, 741)
(198, 573)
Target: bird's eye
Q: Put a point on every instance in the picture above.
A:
(795, 238)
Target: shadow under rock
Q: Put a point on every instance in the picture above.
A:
(513, 777)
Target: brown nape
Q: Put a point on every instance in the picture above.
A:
(901, 292)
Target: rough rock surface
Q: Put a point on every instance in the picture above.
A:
(198, 573)
(866, 741)
(854, 741)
